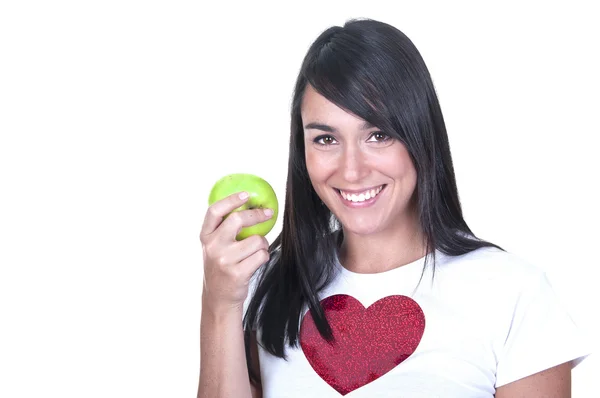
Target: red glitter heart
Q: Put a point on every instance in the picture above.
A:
(369, 342)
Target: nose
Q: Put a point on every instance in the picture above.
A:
(354, 165)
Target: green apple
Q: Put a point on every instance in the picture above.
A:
(262, 196)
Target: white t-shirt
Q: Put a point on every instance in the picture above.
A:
(487, 319)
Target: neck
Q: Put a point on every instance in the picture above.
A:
(383, 251)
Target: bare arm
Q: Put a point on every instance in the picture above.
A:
(228, 267)
(551, 383)
(223, 369)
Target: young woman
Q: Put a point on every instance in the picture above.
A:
(376, 286)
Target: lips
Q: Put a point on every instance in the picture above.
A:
(361, 196)
(361, 199)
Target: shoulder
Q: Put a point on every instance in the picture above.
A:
(492, 265)
(499, 280)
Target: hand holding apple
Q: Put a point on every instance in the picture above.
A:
(242, 210)
(262, 196)
(230, 263)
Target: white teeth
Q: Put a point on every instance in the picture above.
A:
(362, 196)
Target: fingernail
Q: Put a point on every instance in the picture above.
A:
(268, 212)
(244, 195)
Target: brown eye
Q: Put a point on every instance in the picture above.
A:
(379, 136)
(324, 140)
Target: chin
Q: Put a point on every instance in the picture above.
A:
(360, 228)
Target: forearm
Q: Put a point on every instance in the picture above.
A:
(223, 370)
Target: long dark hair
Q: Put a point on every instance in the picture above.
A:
(374, 71)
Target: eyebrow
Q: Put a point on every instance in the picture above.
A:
(329, 129)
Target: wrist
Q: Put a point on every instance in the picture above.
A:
(221, 311)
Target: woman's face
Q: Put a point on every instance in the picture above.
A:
(365, 177)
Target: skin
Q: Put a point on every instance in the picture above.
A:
(342, 152)
(228, 267)
(550, 383)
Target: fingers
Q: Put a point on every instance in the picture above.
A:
(218, 210)
(240, 219)
(245, 248)
(228, 263)
(250, 264)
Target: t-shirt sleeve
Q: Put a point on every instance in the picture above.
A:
(542, 335)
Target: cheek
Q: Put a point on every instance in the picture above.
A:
(401, 165)
(409, 176)
(318, 165)
(410, 170)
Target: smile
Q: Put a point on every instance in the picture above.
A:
(361, 197)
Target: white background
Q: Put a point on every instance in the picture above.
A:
(117, 116)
